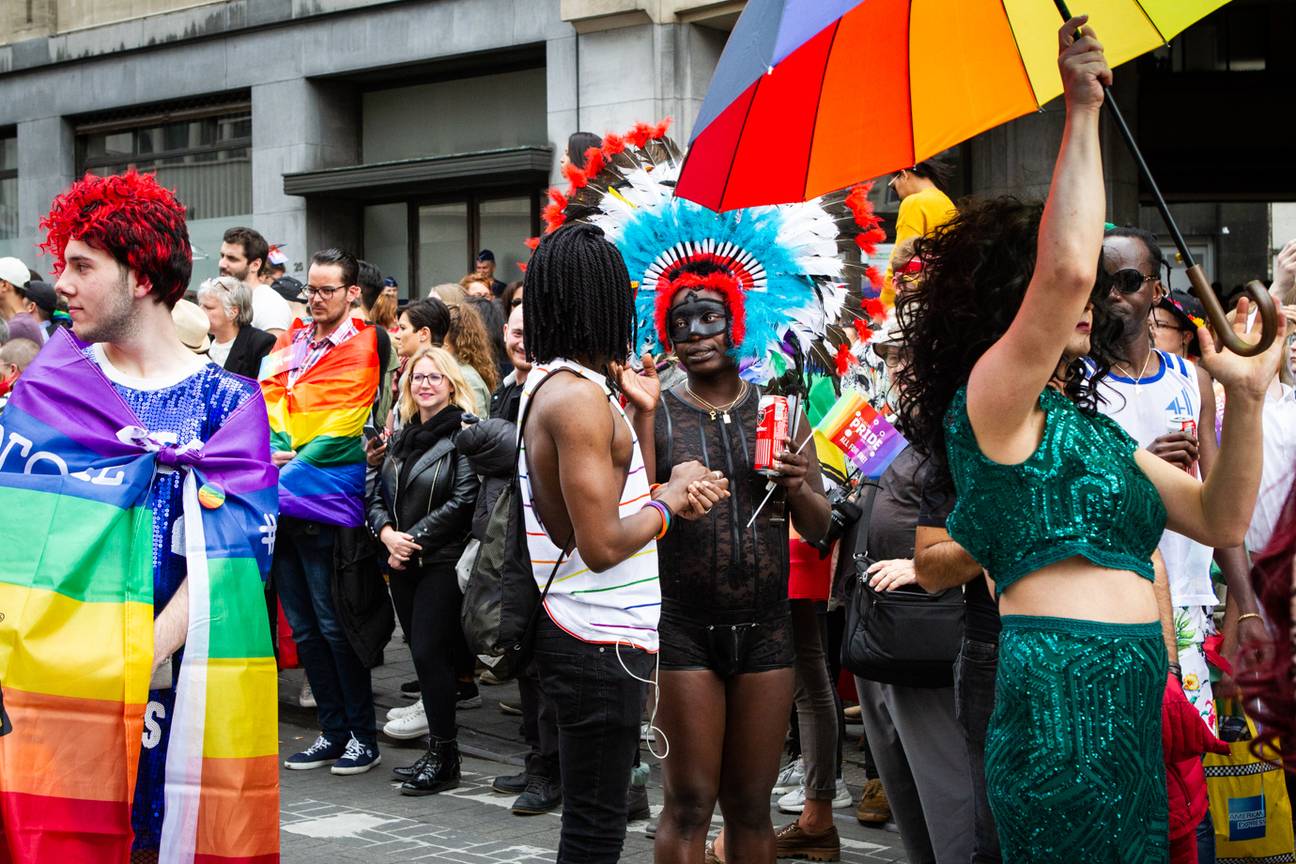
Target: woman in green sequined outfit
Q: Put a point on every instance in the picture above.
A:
(1057, 502)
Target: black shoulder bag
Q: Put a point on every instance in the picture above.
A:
(905, 636)
(502, 605)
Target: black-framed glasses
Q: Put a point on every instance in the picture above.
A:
(432, 378)
(325, 292)
(1129, 280)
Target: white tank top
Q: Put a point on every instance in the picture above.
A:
(1147, 408)
(620, 604)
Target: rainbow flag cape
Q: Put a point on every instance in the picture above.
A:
(322, 415)
(76, 632)
(867, 438)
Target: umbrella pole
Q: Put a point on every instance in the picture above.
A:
(1214, 311)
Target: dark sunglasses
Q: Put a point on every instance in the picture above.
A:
(1130, 280)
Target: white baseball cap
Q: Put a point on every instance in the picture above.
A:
(14, 272)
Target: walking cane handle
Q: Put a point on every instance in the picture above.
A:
(1219, 322)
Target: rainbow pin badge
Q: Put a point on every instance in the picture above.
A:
(211, 496)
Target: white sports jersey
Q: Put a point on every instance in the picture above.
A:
(1167, 400)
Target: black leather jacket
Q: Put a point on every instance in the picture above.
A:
(435, 506)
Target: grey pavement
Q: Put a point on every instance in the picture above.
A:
(363, 819)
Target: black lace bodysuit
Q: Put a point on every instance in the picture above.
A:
(724, 586)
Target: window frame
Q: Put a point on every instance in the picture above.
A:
(6, 133)
(473, 200)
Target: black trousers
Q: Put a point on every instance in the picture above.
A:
(539, 727)
(597, 705)
(427, 601)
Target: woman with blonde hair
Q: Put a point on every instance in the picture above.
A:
(468, 342)
(420, 505)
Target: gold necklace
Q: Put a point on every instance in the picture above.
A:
(713, 410)
(1138, 381)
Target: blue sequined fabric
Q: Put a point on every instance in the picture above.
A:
(1080, 493)
(192, 409)
(1074, 770)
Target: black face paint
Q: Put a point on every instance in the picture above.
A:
(697, 317)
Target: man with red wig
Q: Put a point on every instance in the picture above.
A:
(156, 465)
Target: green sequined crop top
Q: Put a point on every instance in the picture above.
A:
(1079, 493)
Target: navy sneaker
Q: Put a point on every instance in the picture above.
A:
(358, 758)
(322, 752)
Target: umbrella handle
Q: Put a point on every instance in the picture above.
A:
(1201, 287)
(1224, 332)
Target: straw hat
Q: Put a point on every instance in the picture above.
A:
(191, 325)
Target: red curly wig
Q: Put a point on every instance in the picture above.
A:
(718, 280)
(132, 218)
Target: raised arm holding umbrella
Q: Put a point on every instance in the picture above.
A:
(781, 119)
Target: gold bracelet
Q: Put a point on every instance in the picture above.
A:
(1244, 616)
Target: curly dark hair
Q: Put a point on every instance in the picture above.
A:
(975, 272)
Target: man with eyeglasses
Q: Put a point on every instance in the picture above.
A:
(320, 384)
(1167, 404)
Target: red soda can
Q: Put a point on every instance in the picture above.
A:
(1185, 424)
(771, 432)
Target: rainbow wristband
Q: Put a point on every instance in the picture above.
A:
(665, 513)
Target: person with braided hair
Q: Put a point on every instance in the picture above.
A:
(592, 523)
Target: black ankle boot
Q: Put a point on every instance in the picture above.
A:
(439, 770)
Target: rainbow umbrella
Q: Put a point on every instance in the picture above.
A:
(810, 96)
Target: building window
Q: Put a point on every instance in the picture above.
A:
(204, 153)
(436, 240)
(8, 186)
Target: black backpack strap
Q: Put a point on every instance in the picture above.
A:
(384, 357)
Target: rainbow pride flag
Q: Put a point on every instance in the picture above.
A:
(868, 439)
(76, 632)
(322, 415)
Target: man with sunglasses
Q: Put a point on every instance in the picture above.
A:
(331, 361)
(1162, 400)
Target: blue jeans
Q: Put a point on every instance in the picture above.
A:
(597, 705)
(303, 575)
(974, 700)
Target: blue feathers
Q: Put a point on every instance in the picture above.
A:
(649, 236)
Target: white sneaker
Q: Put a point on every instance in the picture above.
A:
(794, 801)
(407, 726)
(306, 698)
(790, 778)
(404, 710)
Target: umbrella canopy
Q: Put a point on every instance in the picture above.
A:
(813, 95)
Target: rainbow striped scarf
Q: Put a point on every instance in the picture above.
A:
(322, 415)
(76, 637)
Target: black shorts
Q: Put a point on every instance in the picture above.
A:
(729, 642)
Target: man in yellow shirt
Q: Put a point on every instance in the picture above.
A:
(923, 208)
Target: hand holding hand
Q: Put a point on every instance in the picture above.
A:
(892, 574)
(1245, 375)
(703, 495)
(398, 543)
(1083, 65)
(675, 492)
(1177, 448)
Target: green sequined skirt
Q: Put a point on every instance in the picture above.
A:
(1073, 754)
